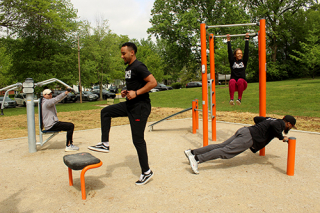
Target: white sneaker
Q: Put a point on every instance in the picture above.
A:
(71, 148)
(238, 102)
(187, 153)
(231, 102)
(192, 161)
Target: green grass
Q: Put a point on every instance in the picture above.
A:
(67, 107)
(297, 97)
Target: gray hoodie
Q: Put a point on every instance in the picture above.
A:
(49, 111)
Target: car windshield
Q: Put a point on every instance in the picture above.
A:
(7, 99)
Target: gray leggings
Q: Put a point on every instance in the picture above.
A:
(238, 143)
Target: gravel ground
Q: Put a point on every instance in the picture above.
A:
(38, 182)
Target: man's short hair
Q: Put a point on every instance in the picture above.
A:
(132, 46)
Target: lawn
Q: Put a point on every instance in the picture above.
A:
(296, 97)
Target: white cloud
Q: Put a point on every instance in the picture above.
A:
(126, 17)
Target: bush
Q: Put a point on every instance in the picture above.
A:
(176, 85)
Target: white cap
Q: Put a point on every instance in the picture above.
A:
(46, 92)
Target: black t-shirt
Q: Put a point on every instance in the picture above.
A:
(265, 130)
(238, 68)
(135, 73)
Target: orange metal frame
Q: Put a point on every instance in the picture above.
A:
(262, 80)
(82, 179)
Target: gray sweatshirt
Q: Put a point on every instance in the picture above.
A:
(49, 111)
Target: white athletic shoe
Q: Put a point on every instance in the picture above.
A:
(71, 148)
(192, 161)
(238, 102)
(231, 102)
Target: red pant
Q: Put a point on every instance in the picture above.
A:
(240, 86)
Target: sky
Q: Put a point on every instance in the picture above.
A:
(125, 17)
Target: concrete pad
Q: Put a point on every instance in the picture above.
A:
(38, 182)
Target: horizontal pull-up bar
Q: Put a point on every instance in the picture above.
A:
(235, 35)
(233, 25)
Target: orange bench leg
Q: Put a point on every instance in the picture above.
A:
(70, 177)
(82, 180)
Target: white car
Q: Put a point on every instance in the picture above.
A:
(21, 99)
(154, 90)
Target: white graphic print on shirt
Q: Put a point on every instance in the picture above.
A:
(128, 74)
(237, 66)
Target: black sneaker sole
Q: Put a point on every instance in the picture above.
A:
(146, 181)
(98, 150)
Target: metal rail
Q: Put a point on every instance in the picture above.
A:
(234, 25)
(151, 125)
(236, 35)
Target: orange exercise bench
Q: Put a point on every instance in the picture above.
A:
(81, 161)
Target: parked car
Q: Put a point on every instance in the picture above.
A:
(113, 89)
(105, 93)
(88, 96)
(8, 103)
(20, 99)
(161, 87)
(70, 97)
(193, 84)
(154, 90)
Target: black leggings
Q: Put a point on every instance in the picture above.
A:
(138, 114)
(64, 126)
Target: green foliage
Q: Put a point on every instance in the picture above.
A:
(310, 52)
(176, 23)
(5, 65)
(43, 48)
(148, 54)
(176, 85)
(100, 54)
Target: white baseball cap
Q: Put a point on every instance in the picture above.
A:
(46, 92)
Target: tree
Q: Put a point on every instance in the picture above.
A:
(5, 65)
(274, 12)
(45, 45)
(100, 54)
(177, 24)
(148, 54)
(310, 53)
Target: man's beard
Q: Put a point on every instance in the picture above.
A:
(125, 63)
(286, 130)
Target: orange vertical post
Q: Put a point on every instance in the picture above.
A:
(262, 73)
(197, 114)
(291, 156)
(213, 97)
(194, 122)
(203, 40)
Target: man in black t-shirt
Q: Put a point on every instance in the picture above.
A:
(137, 108)
(254, 137)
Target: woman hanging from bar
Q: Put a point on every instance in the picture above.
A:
(238, 67)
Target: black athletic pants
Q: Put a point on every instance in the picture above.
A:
(64, 126)
(138, 114)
